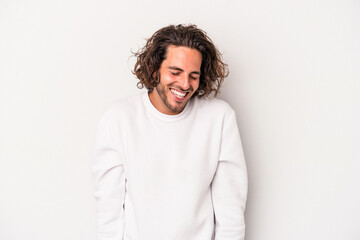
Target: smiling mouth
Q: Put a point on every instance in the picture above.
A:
(178, 94)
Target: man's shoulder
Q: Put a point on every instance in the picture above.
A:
(214, 105)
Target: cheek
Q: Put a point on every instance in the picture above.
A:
(167, 78)
(196, 85)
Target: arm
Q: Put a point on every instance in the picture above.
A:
(108, 172)
(229, 186)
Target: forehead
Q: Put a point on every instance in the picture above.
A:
(184, 56)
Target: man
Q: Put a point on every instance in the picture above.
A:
(168, 163)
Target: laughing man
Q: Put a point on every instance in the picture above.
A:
(168, 163)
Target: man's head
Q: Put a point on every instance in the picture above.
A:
(180, 60)
(150, 57)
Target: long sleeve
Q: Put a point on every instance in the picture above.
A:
(229, 186)
(108, 172)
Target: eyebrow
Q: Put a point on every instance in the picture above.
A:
(179, 69)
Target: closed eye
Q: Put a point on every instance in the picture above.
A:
(175, 73)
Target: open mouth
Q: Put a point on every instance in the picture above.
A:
(178, 94)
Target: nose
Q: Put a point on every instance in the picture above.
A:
(185, 83)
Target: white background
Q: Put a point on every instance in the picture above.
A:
(294, 83)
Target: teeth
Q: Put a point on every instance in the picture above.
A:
(177, 93)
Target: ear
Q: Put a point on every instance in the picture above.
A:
(156, 76)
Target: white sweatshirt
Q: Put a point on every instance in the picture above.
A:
(169, 177)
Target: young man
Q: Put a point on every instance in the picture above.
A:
(168, 163)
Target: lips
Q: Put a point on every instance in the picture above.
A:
(180, 95)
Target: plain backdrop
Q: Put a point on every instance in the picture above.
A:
(294, 82)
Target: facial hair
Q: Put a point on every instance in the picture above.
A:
(162, 93)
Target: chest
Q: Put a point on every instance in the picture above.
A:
(186, 150)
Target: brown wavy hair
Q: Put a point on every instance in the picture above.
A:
(150, 57)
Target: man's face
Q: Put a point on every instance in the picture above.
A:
(179, 79)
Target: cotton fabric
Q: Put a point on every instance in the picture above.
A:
(169, 177)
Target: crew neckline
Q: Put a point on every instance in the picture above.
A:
(165, 117)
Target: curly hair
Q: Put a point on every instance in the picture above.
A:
(150, 57)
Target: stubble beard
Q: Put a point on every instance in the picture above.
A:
(162, 93)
